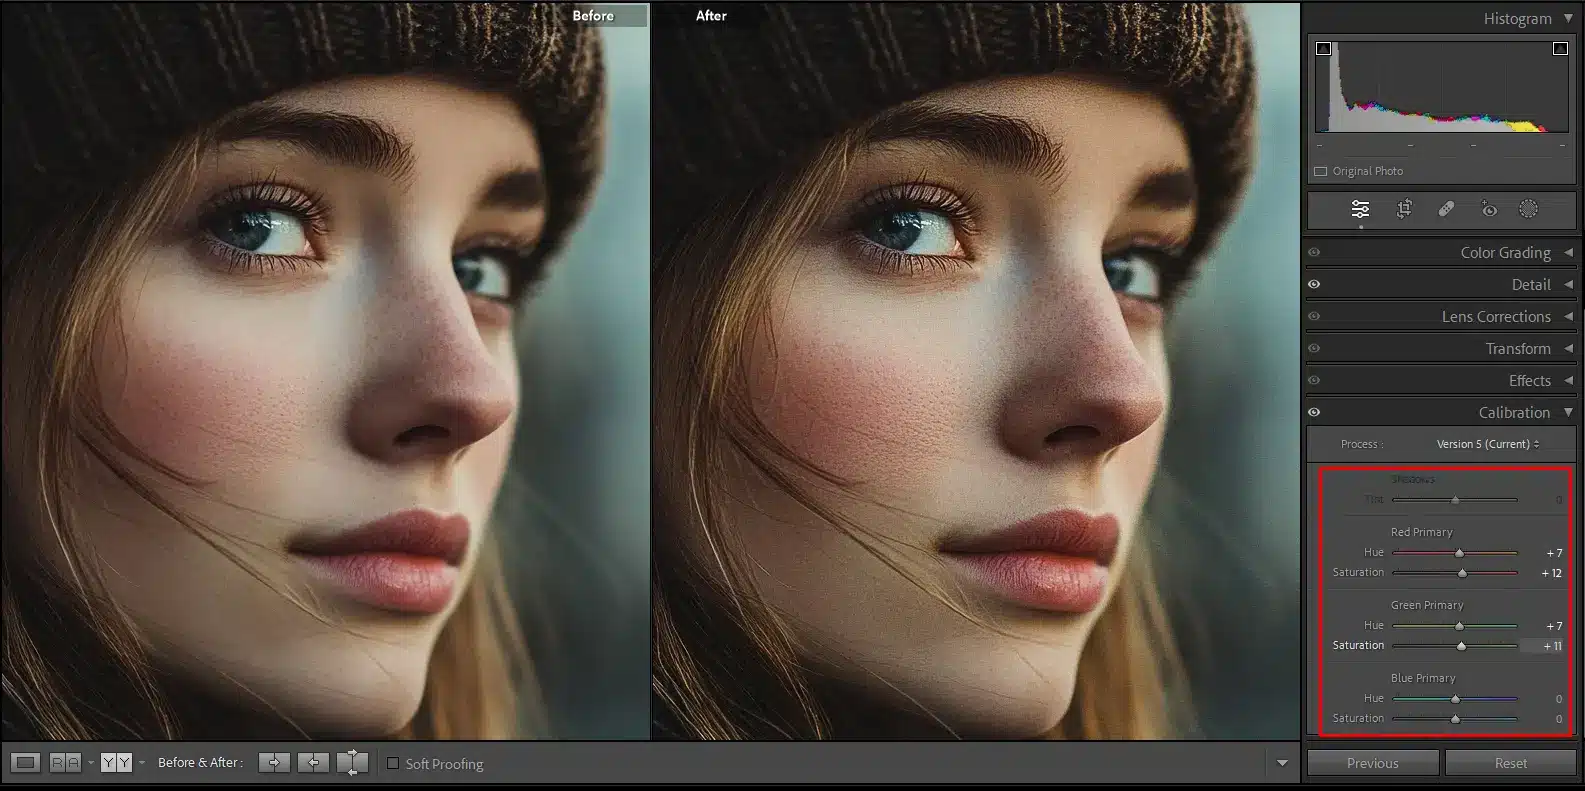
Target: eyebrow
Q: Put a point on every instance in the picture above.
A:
(999, 139)
(1168, 189)
(1016, 144)
(367, 144)
(522, 189)
(334, 137)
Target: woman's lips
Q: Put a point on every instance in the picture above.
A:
(389, 581)
(1056, 561)
(1039, 580)
(407, 562)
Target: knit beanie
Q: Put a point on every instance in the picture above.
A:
(94, 93)
(734, 103)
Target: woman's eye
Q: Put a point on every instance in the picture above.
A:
(483, 272)
(1133, 273)
(913, 232)
(262, 231)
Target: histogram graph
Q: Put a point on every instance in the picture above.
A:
(1442, 86)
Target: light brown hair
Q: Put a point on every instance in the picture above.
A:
(62, 631)
(724, 664)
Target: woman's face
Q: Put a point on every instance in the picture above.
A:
(322, 339)
(972, 341)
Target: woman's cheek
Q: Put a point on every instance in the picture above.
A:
(862, 406)
(214, 400)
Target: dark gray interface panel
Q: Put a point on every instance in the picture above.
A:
(1440, 343)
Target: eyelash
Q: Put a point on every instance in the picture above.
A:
(306, 206)
(915, 196)
(1173, 268)
(526, 267)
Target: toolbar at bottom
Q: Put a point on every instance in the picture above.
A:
(459, 762)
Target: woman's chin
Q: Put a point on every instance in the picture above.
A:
(1002, 694)
(996, 717)
(344, 699)
(367, 719)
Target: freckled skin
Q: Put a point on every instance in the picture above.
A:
(843, 396)
(284, 394)
(934, 402)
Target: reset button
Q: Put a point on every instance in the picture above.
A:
(1489, 763)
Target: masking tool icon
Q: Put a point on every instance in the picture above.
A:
(1444, 209)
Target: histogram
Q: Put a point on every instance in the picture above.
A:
(1435, 86)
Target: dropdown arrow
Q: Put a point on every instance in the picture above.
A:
(1569, 316)
(1569, 252)
(1282, 762)
(1569, 348)
(1569, 284)
(1569, 381)
(1568, 410)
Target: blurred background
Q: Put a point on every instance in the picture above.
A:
(1228, 505)
(576, 512)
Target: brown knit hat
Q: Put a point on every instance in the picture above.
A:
(93, 92)
(734, 103)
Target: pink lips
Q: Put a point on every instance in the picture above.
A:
(1055, 561)
(406, 562)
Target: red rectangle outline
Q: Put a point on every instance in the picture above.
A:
(1320, 596)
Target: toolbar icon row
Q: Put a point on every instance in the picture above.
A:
(1360, 209)
(1442, 211)
(70, 763)
(350, 762)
